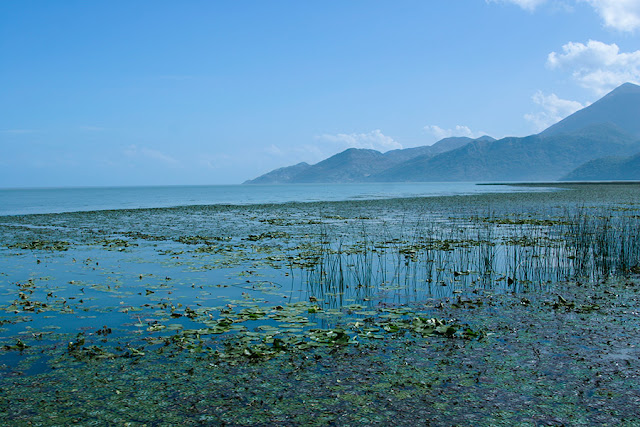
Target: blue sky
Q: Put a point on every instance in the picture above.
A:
(100, 93)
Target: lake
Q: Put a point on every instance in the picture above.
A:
(56, 200)
(196, 305)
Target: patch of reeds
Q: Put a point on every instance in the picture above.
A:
(439, 258)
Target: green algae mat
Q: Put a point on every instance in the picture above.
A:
(505, 309)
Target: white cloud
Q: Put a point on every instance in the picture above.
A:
(459, 130)
(374, 140)
(529, 5)
(134, 151)
(554, 109)
(597, 66)
(622, 15)
(327, 145)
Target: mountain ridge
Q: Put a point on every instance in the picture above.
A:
(355, 164)
(610, 168)
(608, 127)
(535, 157)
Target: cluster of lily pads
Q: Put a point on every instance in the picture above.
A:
(257, 333)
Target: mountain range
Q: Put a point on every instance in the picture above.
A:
(357, 164)
(599, 142)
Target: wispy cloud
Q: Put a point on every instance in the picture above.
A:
(529, 5)
(553, 108)
(18, 131)
(327, 145)
(274, 150)
(374, 140)
(460, 130)
(217, 161)
(310, 153)
(135, 152)
(596, 65)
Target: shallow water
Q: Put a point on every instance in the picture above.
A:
(240, 284)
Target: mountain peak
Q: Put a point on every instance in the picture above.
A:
(620, 107)
(625, 88)
(485, 138)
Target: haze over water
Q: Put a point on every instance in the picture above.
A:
(56, 200)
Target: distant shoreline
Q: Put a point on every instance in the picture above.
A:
(560, 184)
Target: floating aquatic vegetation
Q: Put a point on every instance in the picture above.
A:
(45, 245)
(239, 311)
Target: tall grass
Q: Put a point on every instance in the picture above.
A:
(441, 257)
(603, 243)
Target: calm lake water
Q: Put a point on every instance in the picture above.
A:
(56, 200)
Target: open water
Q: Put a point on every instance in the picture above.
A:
(57, 200)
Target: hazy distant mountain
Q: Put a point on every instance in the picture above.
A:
(351, 165)
(281, 175)
(608, 127)
(533, 158)
(620, 108)
(607, 169)
(356, 164)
